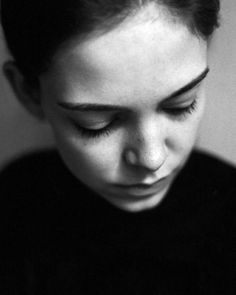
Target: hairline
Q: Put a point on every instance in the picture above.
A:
(121, 20)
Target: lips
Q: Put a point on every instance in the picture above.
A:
(138, 185)
(141, 189)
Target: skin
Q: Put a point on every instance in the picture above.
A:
(137, 66)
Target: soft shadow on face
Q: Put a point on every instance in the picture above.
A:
(125, 107)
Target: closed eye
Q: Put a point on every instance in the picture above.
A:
(181, 110)
(95, 131)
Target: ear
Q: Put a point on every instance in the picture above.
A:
(28, 95)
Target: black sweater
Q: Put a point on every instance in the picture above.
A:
(61, 238)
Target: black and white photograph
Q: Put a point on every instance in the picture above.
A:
(118, 147)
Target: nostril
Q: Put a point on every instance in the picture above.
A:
(148, 160)
(147, 147)
(131, 157)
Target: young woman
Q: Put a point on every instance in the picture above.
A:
(124, 206)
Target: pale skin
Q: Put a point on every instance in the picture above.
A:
(138, 68)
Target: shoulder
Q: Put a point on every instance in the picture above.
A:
(28, 168)
(210, 192)
(214, 178)
(27, 184)
(36, 173)
(213, 161)
(210, 172)
(213, 182)
(207, 186)
(38, 183)
(205, 162)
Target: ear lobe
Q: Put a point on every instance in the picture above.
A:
(28, 96)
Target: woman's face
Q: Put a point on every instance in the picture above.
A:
(125, 107)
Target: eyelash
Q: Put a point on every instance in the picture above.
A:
(179, 113)
(182, 112)
(90, 133)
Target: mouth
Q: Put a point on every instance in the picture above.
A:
(137, 186)
(143, 189)
(141, 185)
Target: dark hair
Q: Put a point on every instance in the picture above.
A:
(35, 29)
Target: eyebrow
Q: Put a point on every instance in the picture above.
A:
(94, 107)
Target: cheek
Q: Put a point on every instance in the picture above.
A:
(190, 134)
(94, 158)
(183, 135)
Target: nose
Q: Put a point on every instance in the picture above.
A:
(147, 150)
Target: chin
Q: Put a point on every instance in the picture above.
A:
(135, 206)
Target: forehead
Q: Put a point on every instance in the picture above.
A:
(148, 52)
